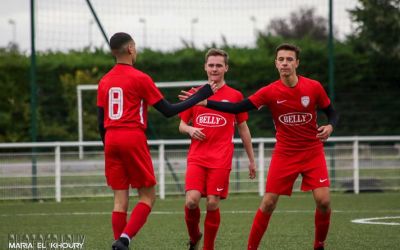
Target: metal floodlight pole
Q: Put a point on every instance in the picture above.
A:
(14, 30)
(253, 19)
(143, 21)
(80, 122)
(33, 101)
(103, 32)
(192, 23)
(331, 55)
(331, 81)
(91, 22)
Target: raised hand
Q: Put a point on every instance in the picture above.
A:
(186, 94)
(213, 86)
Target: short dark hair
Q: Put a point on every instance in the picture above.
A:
(217, 52)
(118, 40)
(288, 46)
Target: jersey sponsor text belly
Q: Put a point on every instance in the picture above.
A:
(211, 120)
(295, 118)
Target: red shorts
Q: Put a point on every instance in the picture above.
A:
(208, 181)
(286, 166)
(128, 160)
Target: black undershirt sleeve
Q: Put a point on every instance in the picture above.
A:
(163, 106)
(229, 107)
(168, 109)
(100, 122)
(332, 115)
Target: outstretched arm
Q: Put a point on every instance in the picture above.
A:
(245, 135)
(168, 109)
(326, 130)
(228, 107)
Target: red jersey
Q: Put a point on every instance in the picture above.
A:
(216, 150)
(294, 111)
(124, 93)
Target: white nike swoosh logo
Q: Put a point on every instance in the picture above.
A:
(219, 189)
(280, 101)
(322, 180)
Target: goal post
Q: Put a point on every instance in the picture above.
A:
(90, 87)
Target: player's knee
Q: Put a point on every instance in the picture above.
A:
(212, 202)
(269, 208)
(148, 201)
(191, 203)
(152, 200)
(192, 200)
(268, 205)
(120, 206)
(323, 204)
(212, 205)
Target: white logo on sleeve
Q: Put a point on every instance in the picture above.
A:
(323, 180)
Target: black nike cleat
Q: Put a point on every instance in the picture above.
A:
(120, 244)
(195, 245)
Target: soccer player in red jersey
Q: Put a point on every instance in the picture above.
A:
(122, 99)
(210, 155)
(293, 101)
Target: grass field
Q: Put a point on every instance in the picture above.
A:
(291, 226)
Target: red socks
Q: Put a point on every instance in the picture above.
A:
(138, 218)
(260, 224)
(211, 225)
(322, 221)
(261, 220)
(118, 221)
(192, 219)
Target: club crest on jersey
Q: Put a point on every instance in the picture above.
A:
(211, 120)
(305, 100)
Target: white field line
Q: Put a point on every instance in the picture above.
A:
(378, 221)
(181, 213)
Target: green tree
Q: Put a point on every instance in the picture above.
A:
(14, 96)
(69, 83)
(378, 27)
(302, 23)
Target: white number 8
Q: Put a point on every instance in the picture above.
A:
(115, 103)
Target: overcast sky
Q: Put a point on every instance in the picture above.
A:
(163, 24)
